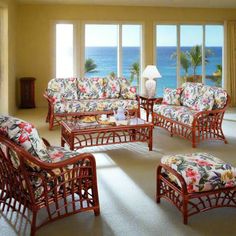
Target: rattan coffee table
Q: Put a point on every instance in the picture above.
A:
(78, 135)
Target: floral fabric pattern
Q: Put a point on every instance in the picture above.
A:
(191, 91)
(112, 88)
(201, 171)
(90, 105)
(219, 96)
(91, 88)
(62, 88)
(204, 102)
(25, 135)
(127, 91)
(172, 96)
(178, 113)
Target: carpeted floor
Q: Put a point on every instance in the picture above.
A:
(126, 184)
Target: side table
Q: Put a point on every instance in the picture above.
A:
(147, 103)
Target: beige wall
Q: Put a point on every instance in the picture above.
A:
(7, 84)
(34, 48)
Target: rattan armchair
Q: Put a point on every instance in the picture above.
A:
(61, 188)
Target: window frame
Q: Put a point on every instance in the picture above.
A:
(203, 24)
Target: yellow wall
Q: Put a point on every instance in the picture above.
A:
(7, 84)
(34, 48)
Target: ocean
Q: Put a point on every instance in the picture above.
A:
(106, 60)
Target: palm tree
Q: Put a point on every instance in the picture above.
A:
(195, 56)
(134, 72)
(90, 66)
(184, 61)
(112, 75)
(218, 75)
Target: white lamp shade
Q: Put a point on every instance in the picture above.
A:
(151, 72)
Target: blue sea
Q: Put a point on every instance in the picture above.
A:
(106, 60)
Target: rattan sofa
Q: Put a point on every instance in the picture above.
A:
(70, 97)
(36, 177)
(194, 112)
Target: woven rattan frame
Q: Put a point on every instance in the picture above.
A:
(207, 125)
(74, 189)
(55, 119)
(191, 203)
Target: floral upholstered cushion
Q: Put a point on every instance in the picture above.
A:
(191, 91)
(219, 94)
(90, 105)
(204, 102)
(181, 114)
(90, 88)
(201, 171)
(112, 87)
(172, 96)
(25, 135)
(62, 88)
(127, 91)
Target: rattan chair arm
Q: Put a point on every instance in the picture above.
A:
(176, 174)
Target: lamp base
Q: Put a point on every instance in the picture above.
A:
(150, 88)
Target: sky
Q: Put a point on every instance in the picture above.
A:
(189, 35)
(107, 35)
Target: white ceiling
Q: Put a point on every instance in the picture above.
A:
(161, 3)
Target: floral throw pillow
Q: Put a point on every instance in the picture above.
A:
(172, 96)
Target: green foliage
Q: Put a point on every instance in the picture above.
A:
(90, 66)
(192, 59)
(134, 72)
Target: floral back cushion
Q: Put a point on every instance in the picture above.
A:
(191, 91)
(127, 91)
(219, 94)
(204, 102)
(25, 135)
(112, 88)
(172, 96)
(201, 171)
(91, 88)
(63, 88)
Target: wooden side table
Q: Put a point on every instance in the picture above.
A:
(27, 92)
(147, 104)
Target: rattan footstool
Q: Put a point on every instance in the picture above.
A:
(196, 182)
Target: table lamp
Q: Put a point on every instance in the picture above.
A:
(150, 73)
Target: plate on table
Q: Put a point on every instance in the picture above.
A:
(88, 119)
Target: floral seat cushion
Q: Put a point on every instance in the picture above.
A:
(25, 135)
(91, 105)
(62, 88)
(177, 113)
(201, 171)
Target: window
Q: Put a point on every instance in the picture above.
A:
(166, 51)
(109, 50)
(113, 50)
(64, 50)
(101, 42)
(131, 53)
(189, 53)
(214, 47)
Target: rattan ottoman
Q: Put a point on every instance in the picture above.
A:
(196, 182)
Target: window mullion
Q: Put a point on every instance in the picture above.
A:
(203, 55)
(119, 51)
(178, 57)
